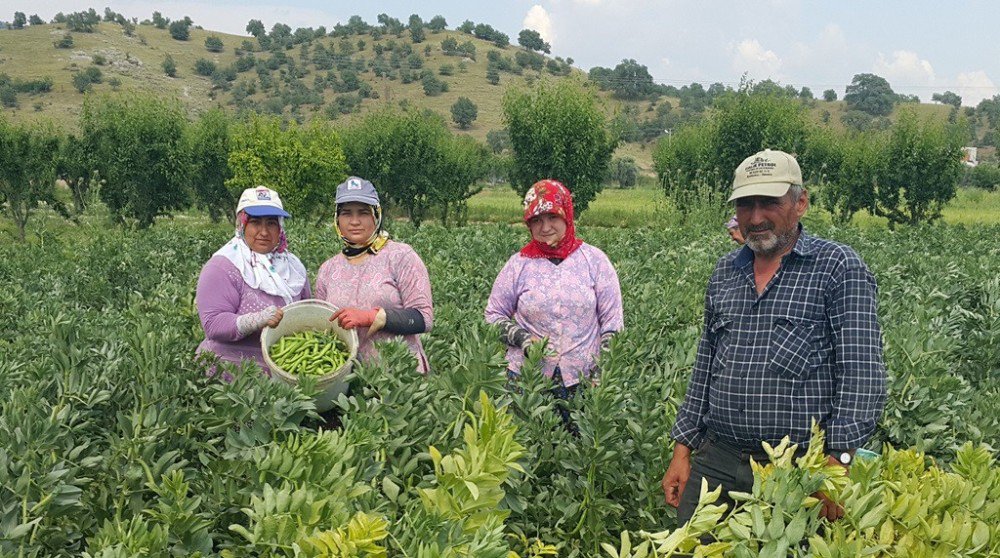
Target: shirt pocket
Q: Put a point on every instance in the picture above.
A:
(720, 330)
(793, 347)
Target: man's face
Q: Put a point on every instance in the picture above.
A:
(769, 224)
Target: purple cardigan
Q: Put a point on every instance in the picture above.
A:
(223, 296)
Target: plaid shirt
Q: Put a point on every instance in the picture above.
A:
(809, 347)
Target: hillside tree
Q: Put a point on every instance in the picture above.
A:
(870, 93)
(829, 95)
(159, 21)
(947, 98)
(20, 20)
(181, 29)
(437, 24)
(464, 112)
(532, 40)
(558, 130)
(213, 44)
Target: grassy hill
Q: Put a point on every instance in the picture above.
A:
(134, 63)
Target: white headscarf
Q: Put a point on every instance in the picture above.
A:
(279, 273)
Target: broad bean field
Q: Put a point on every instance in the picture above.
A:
(114, 442)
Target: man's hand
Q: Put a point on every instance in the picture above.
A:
(676, 477)
(830, 509)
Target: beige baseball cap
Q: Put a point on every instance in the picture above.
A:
(767, 173)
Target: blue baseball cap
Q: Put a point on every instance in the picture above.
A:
(261, 202)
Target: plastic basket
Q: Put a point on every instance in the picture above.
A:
(311, 315)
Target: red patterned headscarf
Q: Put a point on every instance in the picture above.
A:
(550, 196)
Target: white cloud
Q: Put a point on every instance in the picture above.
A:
(753, 58)
(539, 20)
(904, 70)
(974, 87)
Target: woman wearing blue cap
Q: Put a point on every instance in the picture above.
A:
(246, 282)
(380, 285)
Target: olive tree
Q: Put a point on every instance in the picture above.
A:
(138, 148)
(27, 171)
(558, 130)
(304, 164)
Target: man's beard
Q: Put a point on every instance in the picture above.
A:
(771, 244)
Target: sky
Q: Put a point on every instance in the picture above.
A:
(921, 47)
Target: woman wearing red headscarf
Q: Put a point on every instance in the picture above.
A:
(558, 288)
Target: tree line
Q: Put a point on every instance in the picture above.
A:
(906, 172)
(142, 157)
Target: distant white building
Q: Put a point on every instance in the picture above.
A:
(969, 156)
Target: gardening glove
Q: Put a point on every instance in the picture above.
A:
(350, 318)
(255, 321)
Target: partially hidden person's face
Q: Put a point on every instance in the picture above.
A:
(770, 224)
(736, 235)
(547, 228)
(356, 222)
(262, 234)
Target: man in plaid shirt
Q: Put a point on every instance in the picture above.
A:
(790, 336)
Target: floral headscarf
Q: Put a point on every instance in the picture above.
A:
(550, 196)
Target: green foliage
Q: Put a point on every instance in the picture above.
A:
(925, 165)
(464, 112)
(137, 146)
(107, 416)
(894, 505)
(432, 85)
(947, 98)
(209, 146)
(159, 21)
(19, 21)
(303, 164)
(631, 81)
(624, 171)
(75, 166)
(871, 94)
(27, 171)
(169, 66)
(983, 175)
(66, 41)
(213, 44)
(829, 95)
(848, 168)
(204, 67)
(530, 39)
(695, 164)
(558, 130)
(180, 29)
(415, 162)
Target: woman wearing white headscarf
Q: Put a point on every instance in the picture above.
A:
(245, 284)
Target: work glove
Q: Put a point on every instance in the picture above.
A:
(255, 321)
(350, 318)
